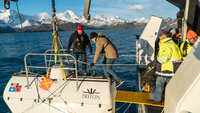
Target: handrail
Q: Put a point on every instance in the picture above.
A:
(45, 54)
(50, 50)
(66, 68)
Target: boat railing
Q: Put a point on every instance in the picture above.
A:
(27, 67)
(140, 60)
(63, 51)
(142, 56)
(70, 58)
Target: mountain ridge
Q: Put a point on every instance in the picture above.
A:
(68, 20)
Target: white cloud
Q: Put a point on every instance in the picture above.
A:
(136, 7)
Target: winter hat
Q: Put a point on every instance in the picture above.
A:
(163, 31)
(191, 34)
(80, 27)
(163, 34)
(93, 34)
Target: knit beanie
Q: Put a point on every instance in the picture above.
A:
(93, 34)
(80, 27)
(191, 34)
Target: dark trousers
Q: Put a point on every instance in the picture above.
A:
(83, 59)
(108, 71)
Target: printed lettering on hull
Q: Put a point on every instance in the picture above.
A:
(91, 94)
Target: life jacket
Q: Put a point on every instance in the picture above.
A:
(169, 54)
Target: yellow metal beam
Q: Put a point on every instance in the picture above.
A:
(134, 97)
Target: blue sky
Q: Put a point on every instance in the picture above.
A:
(126, 9)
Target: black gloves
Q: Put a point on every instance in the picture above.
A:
(92, 64)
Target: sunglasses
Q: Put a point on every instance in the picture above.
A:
(193, 38)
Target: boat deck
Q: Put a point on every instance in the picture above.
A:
(134, 97)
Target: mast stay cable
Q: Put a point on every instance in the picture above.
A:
(25, 41)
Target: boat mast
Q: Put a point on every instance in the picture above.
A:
(87, 10)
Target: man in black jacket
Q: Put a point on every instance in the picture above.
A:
(80, 39)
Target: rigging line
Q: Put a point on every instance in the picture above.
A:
(52, 93)
(37, 104)
(109, 64)
(36, 85)
(25, 42)
(43, 101)
(134, 56)
(62, 48)
(127, 108)
(121, 107)
(163, 110)
(64, 86)
(61, 92)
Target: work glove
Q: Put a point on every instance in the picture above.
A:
(92, 64)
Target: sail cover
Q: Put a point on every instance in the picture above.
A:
(193, 18)
(178, 3)
(193, 21)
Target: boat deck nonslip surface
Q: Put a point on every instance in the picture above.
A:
(134, 97)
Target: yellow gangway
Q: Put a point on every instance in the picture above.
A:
(134, 97)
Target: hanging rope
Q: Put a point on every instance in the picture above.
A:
(25, 42)
(117, 109)
(111, 64)
(127, 108)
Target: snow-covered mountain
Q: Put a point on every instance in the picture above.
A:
(11, 18)
(10, 22)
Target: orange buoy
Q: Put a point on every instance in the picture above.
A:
(46, 83)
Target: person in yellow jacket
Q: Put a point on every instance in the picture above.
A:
(168, 55)
(105, 46)
(188, 44)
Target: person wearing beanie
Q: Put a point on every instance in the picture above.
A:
(188, 44)
(79, 39)
(105, 46)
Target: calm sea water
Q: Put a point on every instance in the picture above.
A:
(13, 50)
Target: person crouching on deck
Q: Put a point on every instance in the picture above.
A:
(168, 55)
(105, 46)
